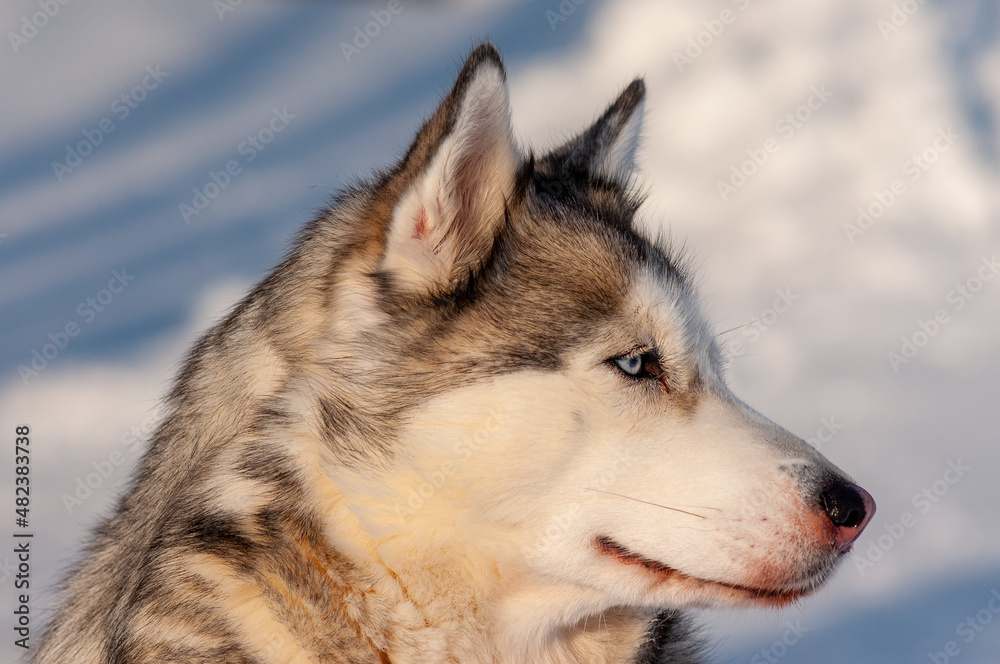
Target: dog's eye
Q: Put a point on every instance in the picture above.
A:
(640, 365)
(632, 365)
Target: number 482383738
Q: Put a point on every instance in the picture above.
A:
(22, 481)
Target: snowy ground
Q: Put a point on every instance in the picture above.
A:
(888, 106)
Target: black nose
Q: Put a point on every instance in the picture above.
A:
(844, 505)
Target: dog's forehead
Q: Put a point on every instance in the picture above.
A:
(594, 256)
(666, 306)
(576, 253)
(587, 286)
(566, 277)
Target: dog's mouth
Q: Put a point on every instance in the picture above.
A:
(700, 591)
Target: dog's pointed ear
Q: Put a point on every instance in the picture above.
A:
(607, 148)
(458, 174)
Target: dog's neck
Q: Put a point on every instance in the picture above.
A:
(450, 600)
(449, 607)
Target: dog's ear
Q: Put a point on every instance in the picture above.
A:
(458, 176)
(607, 148)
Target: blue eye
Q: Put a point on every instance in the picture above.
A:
(641, 366)
(632, 364)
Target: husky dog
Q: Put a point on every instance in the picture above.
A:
(474, 416)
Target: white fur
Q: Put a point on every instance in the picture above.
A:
(495, 495)
(478, 536)
(618, 160)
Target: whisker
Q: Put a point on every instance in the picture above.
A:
(674, 509)
(738, 327)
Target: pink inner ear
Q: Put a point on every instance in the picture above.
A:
(420, 225)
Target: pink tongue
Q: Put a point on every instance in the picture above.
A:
(847, 535)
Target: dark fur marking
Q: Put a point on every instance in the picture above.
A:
(669, 640)
(267, 465)
(350, 435)
(218, 535)
(176, 600)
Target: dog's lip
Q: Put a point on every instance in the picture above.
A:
(766, 596)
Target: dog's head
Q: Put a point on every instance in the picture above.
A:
(554, 397)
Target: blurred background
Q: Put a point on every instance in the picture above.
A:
(831, 165)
